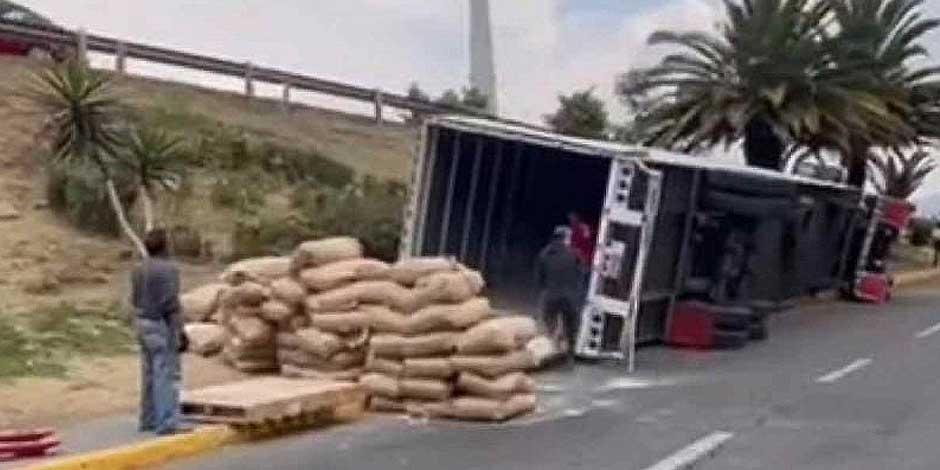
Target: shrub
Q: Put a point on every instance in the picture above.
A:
(79, 193)
(921, 232)
(243, 192)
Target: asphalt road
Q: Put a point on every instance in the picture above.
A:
(837, 386)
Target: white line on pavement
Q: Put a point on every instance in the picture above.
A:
(838, 374)
(928, 332)
(694, 452)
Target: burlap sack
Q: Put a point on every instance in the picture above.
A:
(246, 293)
(289, 291)
(450, 317)
(389, 367)
(320, 343)
(494, 366)
(341, 273)
(227, 313)
(329, 250)
(433, 368)
(543, 350)
(251, 366)
(253, 331)
(499, 388)
(205, 339)
(407, 271)
(484, 409)
(200, 303)
(292, 371)
(387, 405)
(298, 322)
(385, 320)
(397, 346)
(342, 323)
(370, 292)
(236, 348)
(425, 389)
(498, 335)
(276, 311)
(260, 270)
(380, 385)
(340, 361)
(452, 287)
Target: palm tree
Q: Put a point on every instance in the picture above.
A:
(154, 158)
(898, 175)
(81, 125)
(774, 77)
(882, 37)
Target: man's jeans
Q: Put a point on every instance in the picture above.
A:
(159, 375)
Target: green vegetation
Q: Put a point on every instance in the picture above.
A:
(898, 174)
(842, 76)
(581, 115)
(83, 127)
(41, 343)
(921, 232)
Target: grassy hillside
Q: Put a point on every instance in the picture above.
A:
(258, 179)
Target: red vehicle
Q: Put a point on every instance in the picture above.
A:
(16, 15)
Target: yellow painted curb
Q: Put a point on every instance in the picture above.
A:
(147, 454)
(907, 278)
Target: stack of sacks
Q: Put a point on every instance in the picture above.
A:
(447, 356)
(200, 314)
(250, 313)
(328, 338)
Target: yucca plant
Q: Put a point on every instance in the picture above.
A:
(155, 158)
(82, 125)
(898, 174)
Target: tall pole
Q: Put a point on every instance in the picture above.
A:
(482, 61)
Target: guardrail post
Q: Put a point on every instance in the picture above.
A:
(120, 59)
(378, 107)
(285, 98)
(249, 80)
(82, 46)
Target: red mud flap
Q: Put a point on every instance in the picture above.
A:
(873, 288)
(16, 445)
(897, 214)
(701, 325)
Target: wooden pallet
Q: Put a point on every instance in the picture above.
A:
(273, 399)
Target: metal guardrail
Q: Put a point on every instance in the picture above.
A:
(83, 42)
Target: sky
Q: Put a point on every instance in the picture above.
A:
(543, 47)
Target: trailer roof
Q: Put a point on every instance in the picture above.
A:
(603, 149)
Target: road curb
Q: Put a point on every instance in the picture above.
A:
(147, 454)
(914, 277)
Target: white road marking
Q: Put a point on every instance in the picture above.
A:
(694, 452)
(838, 374)
(928, 332)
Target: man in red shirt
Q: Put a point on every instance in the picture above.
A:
(582, 240)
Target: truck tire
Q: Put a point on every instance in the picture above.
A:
(749, 206)
(746, 184)
(697, 285)
(758, 331)
(730, 339)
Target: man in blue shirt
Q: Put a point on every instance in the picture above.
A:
(155, 292)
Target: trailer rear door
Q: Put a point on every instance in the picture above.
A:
(609, 316)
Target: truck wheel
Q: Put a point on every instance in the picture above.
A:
(697, 285)
(730, 339)
(758, 331)
(743, 183)
(757, 207)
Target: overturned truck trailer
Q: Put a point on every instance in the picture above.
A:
(675, 234)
